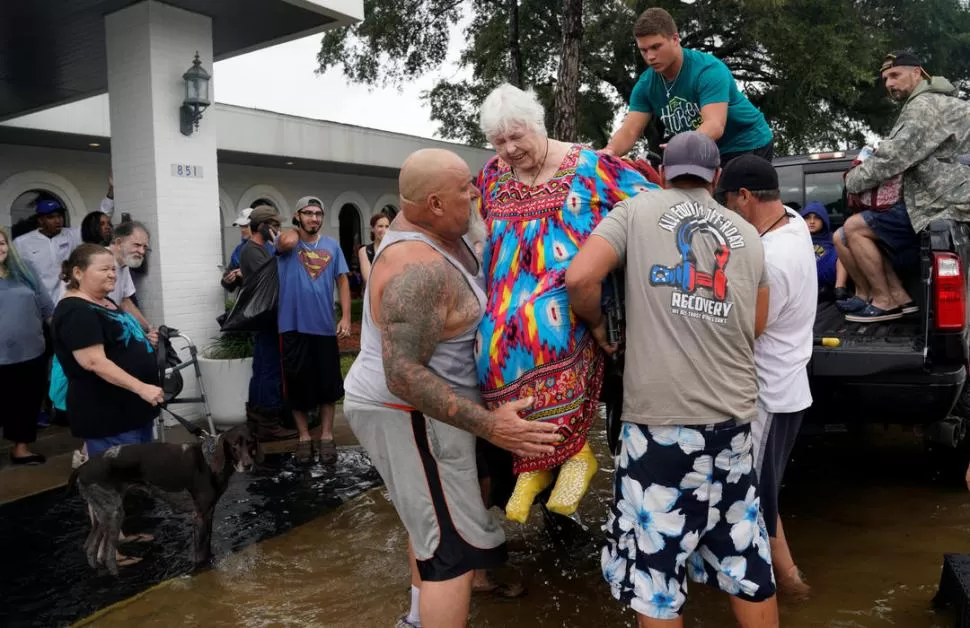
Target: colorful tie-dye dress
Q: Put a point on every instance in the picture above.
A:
(530, 343)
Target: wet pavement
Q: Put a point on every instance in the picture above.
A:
(868, 519)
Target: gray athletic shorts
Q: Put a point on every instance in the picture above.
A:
(431, 474)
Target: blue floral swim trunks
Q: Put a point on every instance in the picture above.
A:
(685, 504)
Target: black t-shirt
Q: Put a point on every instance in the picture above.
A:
(251, 258)
(96, 408)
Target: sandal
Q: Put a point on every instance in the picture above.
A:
(127, 561)
(327, 451)
(304, 451)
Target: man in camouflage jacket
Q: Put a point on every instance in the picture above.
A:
(930, 135)
(925, 145)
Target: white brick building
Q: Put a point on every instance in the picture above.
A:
(104, 93)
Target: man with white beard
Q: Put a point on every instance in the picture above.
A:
(129, 244)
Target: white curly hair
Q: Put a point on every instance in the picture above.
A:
(508, 106)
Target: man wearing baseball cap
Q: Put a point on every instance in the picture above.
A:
(685, 492)
(310, 265)
(749, 186)
(263, 410)
(925, 146)
(232, 278)
(241, 221)
(48, 246)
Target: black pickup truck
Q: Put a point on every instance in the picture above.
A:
(910, 371)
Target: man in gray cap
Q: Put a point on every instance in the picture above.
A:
(696, 298)
(263, 411)
(311, 265)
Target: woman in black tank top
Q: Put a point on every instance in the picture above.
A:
(378, 225)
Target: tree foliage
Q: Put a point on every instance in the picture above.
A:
(810, 65)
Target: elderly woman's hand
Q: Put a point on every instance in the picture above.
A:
(151, 394)
(152, 336)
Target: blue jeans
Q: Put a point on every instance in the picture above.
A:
(100, 445)
(265, 387)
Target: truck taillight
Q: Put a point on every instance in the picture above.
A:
(949, 294)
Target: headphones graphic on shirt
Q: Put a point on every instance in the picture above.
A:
(685, 275)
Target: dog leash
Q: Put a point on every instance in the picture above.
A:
(209, 442)
(193, 429)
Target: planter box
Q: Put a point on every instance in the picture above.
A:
(227, 388)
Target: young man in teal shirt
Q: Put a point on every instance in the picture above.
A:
(690, 91)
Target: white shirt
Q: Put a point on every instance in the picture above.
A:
(48, 254)
(124, 286)
(782, 352)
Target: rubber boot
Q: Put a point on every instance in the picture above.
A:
(574, 477)
(527, 487)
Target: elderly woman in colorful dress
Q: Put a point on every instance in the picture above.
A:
(540, 200)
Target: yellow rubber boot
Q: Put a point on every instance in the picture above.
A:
(574, 478)
(529, 484)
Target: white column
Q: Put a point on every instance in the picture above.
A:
(149, 46)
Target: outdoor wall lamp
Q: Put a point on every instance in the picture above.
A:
(196, 96)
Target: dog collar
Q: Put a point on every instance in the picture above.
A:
(209, 445)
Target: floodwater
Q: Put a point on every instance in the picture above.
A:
(44, 576)
(868, 519)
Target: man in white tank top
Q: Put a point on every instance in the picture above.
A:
(412, 395)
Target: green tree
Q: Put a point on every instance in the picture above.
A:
(810, 65)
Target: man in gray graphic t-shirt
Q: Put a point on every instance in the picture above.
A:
(696, 298)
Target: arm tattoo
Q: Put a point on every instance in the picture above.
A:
(414, 307)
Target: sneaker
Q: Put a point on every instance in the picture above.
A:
(850, 305)
(78, 458)
(842, 294)
(873, 314)
(43, 420)
(403, 622)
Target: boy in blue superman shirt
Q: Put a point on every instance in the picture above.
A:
(826, 259)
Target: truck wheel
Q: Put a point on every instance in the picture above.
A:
(962, 406)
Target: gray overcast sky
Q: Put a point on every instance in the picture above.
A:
(282, 79)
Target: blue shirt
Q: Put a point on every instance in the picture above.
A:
(22, 313)
(308, 275)
(703, 80)
(234, 258)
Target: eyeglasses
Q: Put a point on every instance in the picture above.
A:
(310, 214)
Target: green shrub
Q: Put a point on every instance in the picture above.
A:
(230, 346)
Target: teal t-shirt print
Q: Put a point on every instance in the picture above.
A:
(703, 80)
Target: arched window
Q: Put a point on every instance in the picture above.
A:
(350, 233)
(23, 216)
